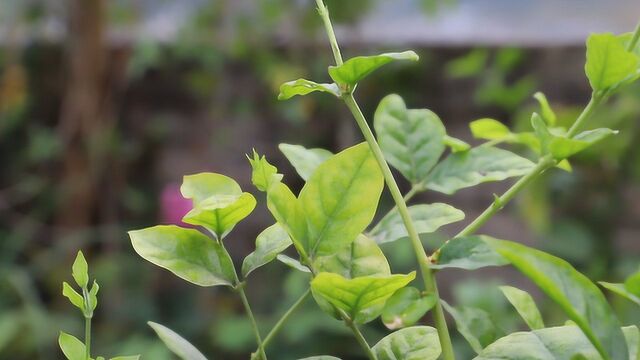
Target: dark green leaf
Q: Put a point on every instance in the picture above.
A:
(357, 68)
(474, 324)
(362, 298)
(340, 199)
(412, 343)
(177, 344)
(269, 243)
(427, 218)
(525, 305)
(469, 253)
(305, 161)
(406, 307)
(304, 87)
(478, 165)
(580, 299)
(185, 252)
(412, 140)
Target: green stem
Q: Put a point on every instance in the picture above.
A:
(254, 324)
(361, 340)
(324, 14)
(87, 337)
(634, 39)
(415, 189)
(422, 258)
(595, 100)
(276, 328)
(544, 164)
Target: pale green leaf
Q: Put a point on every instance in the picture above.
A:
(357, 68)
(489, 129)
(201, 186)
(621, 290)
(93, 296)
(292, 263)
(177, 344)
(269, 243)
(73, 296)
(362, 298)
(263, 174)
(467, 252)
(548, 114)
(363, 257)
(456, 145)
(562, 147)
(72, 348)
(304, 87)
(474, 324)
(412, 140)
(632, 284)
(478, 165)
(580, 299)
(412, 343)
(340, 199)
(220, 213)
(427, 218)
(406, 307)
(304, 160)
(288, 212)
(187, 253)
(130, 357)
(80, 270)
(543, 134)
(555, 343)
(525, 306)
(608, 62)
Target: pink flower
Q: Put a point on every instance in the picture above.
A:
(173, 206)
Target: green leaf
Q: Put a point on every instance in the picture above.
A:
(72, 348)
(580, 299)
(362, 298)
(305, 161)
(474, 324)
(292, 263)
(467, 252)
(288, 212)
(220, 213)
(543, 134)
(357, 68)
(562, 147)
(93, 296)
(632, 284)
(525, 305)
(177, 344)
(412, 140)
(187, 253)
(456, 145)
(621, 290)
(80, 270)
(269, 243)
(548, 114)
(427, 218)
(406, 307)
(478, 165)
(73, 296)
(321, 357)
(340, 199)
(363, 257)
(412, 343)
(304, 87)
(489, 129)
(555, 343)
(199, 187)
(608, 62)
(263, 174)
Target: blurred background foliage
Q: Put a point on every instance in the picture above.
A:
(100, 117)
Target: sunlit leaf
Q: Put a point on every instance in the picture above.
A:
(478, 165)
(632, 284)
(547, 112)
(580, 299)
(72, 348)
(467, 252)
(363, 257)
(304, 87)
(304, 160)
(287, 210)
(608, 62)
(73, 296)
(489, 129)
(187, 253)
(412, 140)
(340, 199)
(427, 218)
(362, 298)
(412, 343)
(555, 343)
(177, 344)
(562, 147)
(263, 174)
(406, 307)
(269, 243)
(80, 270)
(525, 305)
(357, 68)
